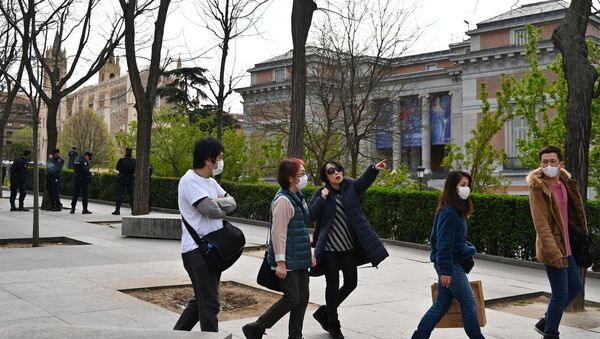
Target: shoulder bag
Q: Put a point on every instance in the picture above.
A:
(221, 248)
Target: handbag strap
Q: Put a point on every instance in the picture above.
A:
(193, 232)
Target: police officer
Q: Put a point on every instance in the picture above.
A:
(54, 168)
(81, 180)
(126, 168)
(73, 155)
(18, 175)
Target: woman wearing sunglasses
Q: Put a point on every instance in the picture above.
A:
(343, 239)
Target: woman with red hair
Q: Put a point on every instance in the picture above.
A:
(289, 251)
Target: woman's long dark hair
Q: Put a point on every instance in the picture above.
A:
(450, 198)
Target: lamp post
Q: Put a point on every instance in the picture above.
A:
(420, 175)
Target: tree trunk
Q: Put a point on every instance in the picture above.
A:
(302, 13)
(569, 39)
(143, 142)
(36, 179)
(221, 94)
(144, 97)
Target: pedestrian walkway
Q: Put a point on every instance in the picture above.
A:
(78, 285)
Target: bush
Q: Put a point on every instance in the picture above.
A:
(501, 224)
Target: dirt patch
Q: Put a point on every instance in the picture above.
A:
(44, 242)
(535, 307)
(238, 301)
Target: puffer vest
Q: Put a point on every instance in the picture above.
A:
(297, 248)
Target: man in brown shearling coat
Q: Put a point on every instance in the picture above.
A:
(555, 202)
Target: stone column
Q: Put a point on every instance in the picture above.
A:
(397, 134)
(426, 133)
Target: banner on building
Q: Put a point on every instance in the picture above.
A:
(412, 124)
(384, 133)
(440, 119)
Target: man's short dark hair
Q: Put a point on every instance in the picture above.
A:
(128, 151)
(26, 153)
(551, 149)
(56, 150)
(206, 148)
(288, 168)
(88, 153)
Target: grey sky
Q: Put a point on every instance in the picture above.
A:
(443, 21)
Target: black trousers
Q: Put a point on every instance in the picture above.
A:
(294, 300)
(204, 305)
(334, 295)
(80, 186)
(52, 184)
(124, 183)
(17, 186)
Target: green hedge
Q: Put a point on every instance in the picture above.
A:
(501, 224)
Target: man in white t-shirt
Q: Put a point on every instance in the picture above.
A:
(202, 203)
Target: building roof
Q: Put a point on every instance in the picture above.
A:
(528, 10)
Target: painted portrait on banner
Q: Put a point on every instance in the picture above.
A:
(383, 135)
(412, 125)
(440, 119)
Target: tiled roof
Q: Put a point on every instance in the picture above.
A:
(529, 9)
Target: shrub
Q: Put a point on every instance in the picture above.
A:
(501, 224)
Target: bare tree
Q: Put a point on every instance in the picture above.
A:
(9, 77)
(581, 76)
(145, 94)
(66, 19)
(358, 48)
(302, 13)
(227, 20)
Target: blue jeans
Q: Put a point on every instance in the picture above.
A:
(459, 288)
(566, 285)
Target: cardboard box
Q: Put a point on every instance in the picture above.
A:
(453, 319)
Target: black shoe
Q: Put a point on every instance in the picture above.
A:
(72, 210)
(23, 209)
(548, 336)
(116, 213)
(540, 326)
(13, 209)
(253, 331)
(56, 209)
(320, 316)
(86, 212)
(335, 332)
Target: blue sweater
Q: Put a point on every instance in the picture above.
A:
(449, 245)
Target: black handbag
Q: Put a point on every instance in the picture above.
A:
(467, 265)
(582, 247)
(221, 248)
(266, 275)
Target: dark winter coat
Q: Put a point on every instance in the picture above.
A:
(18, 170)
(368, 246)
(449, 245)
(82, 170)
(126, 167)
(54, 167)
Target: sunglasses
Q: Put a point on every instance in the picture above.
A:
(332, 170)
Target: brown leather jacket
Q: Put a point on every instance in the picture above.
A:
(550, 239)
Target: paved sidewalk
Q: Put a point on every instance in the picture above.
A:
(78, 285)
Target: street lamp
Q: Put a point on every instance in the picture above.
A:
(420, 175)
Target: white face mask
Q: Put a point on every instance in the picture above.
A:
(219, 169)
(303, 181)
(464, 192)
(550, 171)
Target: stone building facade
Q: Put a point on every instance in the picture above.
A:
(435, 96)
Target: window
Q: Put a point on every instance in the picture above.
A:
(520, 36)
(516, 129)
(431, 67)
(279, 74)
